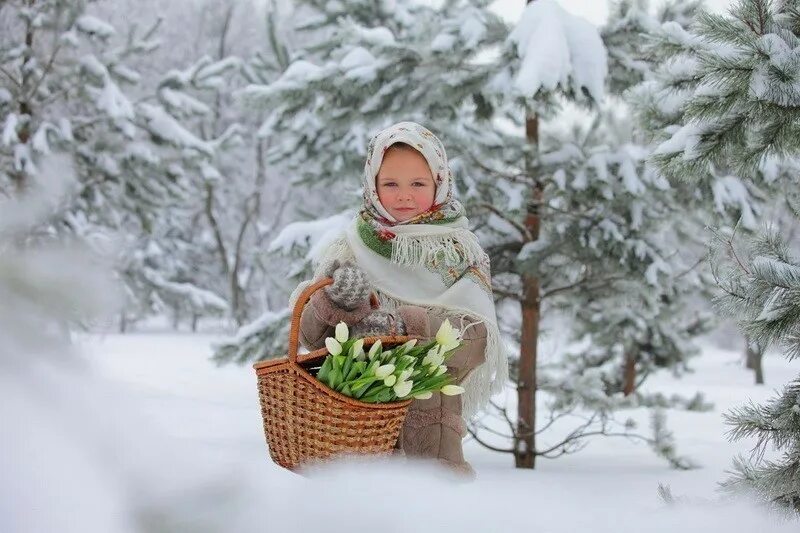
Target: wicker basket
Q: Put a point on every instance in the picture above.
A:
(305, 421)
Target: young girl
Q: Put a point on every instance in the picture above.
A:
(410, 244)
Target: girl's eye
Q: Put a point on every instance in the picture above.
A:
(420, 184)
(390, 184)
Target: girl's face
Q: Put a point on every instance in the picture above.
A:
(405, 184)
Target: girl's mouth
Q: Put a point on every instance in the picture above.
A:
(405, 208)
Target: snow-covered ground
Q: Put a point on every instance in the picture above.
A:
(611, 485)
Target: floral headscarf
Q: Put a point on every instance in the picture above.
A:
(445, 207)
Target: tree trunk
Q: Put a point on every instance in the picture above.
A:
(629, 375)
(754, 356)
(525, 437)
(25, 109)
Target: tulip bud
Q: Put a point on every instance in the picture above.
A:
(402, 388)
(357, 346)
(342, 333)
(333, 346)
(390, 380)
(452, 390)
(384, 370)
(374, 349)
(442, 370)
(408, 345)
(423, 395)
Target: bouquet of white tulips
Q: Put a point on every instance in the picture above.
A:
(399, 373)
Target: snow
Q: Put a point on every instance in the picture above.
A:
(359, 64)
(357, 57)
(731, 191)
(261, 323)
(317, 234)
(40, 142)
(557, 48)
(444, 42)
(198, 297)
(764, 84)
(296, 76)
(95, 26)
(109, 98)
(684, 139)
(65, 129)
(531, 248)
(9, 135)
(776, 272)
(161, 124)
(94, 66)
(472, 30)
(126, 73)
(775, 306)
(177, 422)
(630, 178)
(182, 102)
(377, 36)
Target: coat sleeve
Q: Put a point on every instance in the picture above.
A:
(320, 316)
(424, 323)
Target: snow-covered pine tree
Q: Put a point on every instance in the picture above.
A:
(630, 24)
(644, 201)
(601, 240)
(740, 115)
(659, 102)
(64, 89)
(68, 88)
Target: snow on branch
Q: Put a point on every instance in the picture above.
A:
(556, 49)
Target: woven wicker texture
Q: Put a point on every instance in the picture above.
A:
(305, 421)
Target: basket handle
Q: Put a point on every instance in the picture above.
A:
(302, 300)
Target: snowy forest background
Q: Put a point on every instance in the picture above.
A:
(169, 171)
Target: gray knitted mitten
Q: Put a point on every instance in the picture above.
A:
(350, 286)
(379, 322)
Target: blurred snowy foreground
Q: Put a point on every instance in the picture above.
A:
(140, 432)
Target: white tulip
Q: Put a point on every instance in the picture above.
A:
(433, 358)
(447, 336)
(442, 370)
(405, 374)
(333, 346)
(342, 333)
(357, 346)
(423, 395)
(402, 388)
(384, 370)
(408, 345)
(390, 380)
(452, 390)
(374, 349)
